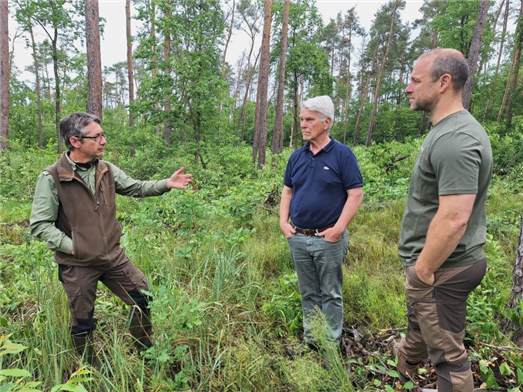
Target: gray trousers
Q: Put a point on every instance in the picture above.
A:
(319, 265)
(436, 323)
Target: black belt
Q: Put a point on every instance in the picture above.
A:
(310, 232)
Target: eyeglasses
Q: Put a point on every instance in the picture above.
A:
(95, 138)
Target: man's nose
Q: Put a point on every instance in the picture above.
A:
(408, 89)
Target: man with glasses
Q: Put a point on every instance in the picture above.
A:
(74, 212)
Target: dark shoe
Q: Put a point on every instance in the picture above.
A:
(85, 349)
(405, 369)
(141, 329)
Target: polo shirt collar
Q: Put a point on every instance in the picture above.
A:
(327, 148)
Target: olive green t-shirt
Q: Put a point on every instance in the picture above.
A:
(455, 158)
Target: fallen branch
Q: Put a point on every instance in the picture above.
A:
(501, 348)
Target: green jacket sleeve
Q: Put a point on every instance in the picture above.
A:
(44, 214)
(128, 186)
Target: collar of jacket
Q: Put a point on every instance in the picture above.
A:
(66, 172)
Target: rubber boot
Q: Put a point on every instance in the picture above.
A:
(85, 349)
(141, 328)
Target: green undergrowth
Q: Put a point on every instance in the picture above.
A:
(227, 310)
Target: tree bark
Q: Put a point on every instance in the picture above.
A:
(517, 284)
(94, 63)
(277, 134)
(347, 91)
(167, 60)
(228, 38)
(58, 95)
(4, 75)
(503, 34)
(380, 75)
(507, 87)
(130, 70)
(220, 105)
(295, 118)
(38, 87)
(517, 63)
(364, 93)
(249, 72)
(475, 47)
(260, 127)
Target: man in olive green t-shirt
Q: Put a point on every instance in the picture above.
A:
(444, 223)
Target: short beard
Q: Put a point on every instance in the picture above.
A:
(426, 106)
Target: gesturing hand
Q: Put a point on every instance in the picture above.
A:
(178, 179)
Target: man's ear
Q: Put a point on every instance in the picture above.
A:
(328, 122)
(445, 81)
(75, 142)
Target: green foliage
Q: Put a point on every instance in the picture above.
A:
(226, 304)
(507, 148)
(15, 379)
(284, 305)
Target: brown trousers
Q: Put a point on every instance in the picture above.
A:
(120, 276)
(436, 323)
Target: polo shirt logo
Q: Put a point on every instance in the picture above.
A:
(325, 168)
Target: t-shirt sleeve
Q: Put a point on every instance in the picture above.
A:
(351, 174)
(287, 176)
(456, 161)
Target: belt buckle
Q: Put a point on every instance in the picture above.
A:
(310, 232)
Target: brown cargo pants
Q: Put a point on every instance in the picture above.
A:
(120, 276)
(436, 323)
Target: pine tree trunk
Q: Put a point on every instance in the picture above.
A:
(220, 105)
(4, 75)
(380, 75)
(517, 284)
(243, 120)
(167, 59)
(517, 63)
(38, 86)
(503, 35)
(94, 63)
(475, 47)
(260, 127)
(154, 60)
(57, 95)
(347, 92)
(507, 89)
(277, 134)
(130, 71)
(296, 128)
(249, 74)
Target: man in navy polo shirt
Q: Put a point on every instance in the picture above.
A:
(321, 194)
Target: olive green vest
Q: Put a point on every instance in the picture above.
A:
(89, 220)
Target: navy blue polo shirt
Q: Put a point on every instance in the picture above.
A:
(320, 183)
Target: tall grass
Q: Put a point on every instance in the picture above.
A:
(227, 310)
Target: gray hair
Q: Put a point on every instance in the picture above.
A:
(323, 105)
(452, 62)
(74, 125)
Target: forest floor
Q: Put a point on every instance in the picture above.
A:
(368, 351)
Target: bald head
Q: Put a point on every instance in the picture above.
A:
(448, 61)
